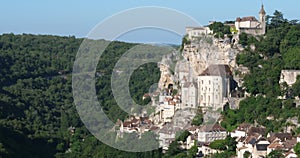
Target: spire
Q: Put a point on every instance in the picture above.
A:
(262, 10)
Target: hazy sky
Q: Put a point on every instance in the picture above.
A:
(66, 17)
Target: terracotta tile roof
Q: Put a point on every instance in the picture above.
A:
(153, 128)
(281, 136)
(289, 144)
(127, 124)
(247, 18)
(244, 127)
(258, 130)
(252, 139)
(275, 146)
(211, 128)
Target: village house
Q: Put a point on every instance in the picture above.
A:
(133, 124)
(210, 133)
(167, 136)
(241, 130)
(249, 142)
(260, 148)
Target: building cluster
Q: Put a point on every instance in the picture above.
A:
(209, 86)
(254, 140)
(248, 24)
(209, 91)
(137, 125)
(258, 143)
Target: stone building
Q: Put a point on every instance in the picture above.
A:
(194, 32)
(289, 76)
(210, 133)
(214, 86)
(251, 25)
(189, 95)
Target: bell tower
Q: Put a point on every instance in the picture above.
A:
(262, 19)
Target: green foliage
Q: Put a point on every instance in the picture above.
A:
(192, 152)
(278, 50)
(277, 19)
(247, 154)
(36, 103)
(218, 145)
(149, 74)
(291, 39)
(291, 59)
(228, 144)
(275, 154)
(197, 120)
(173, 149)
(219, 29)
(297, 149)
(183, 136)
(243, 39)
(247, 40)
(185, 41)
(296, 87)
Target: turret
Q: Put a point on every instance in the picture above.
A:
(262, 19)
(262, 14)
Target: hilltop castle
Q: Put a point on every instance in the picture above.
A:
(249, 25)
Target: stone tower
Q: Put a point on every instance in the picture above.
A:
(262, 19)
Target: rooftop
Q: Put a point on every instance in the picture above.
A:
(217, 70)
(211, 128)
(247, 18)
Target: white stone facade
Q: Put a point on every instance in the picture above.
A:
(194, 32)
(189, 95)
(210, 133)
(251, 25)
(212, 90)
(289, 76)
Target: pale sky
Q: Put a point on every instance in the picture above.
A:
(78, 17)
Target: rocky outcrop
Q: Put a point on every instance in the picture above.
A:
(209, 51)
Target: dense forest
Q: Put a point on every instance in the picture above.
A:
(279, 49)
(37, 115)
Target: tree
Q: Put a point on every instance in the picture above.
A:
(297, 149)
(277, 19)
(218, 145)
(276, 154)
(173, 149)
(197, 120)
(192, 152)
(219, 29)
(243, 39)
(292, 59)
(183, 136)
(246, 154)
(296, 87)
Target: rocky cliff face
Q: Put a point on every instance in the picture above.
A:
(209, 51)
(197, 56)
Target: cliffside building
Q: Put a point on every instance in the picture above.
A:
(189, 95)
(214, 86)
(251, 25)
